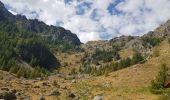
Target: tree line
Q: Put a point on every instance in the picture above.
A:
(105, 69)
(9, 57)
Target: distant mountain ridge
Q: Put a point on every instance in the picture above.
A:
(142, 44)
(23, 25)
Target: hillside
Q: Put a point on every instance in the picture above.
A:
(129, 83)
(28, 45)
(20, 24)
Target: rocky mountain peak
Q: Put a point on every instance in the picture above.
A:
(52, 33)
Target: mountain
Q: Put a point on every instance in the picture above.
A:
(142, 44)
(21, 24)
(56, 65)
(28, 46)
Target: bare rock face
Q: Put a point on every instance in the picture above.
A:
(53, 33)
(121, 41)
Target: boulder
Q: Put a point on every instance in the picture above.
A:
(27, 98)
(7, 95)
(98, 98)
(13, 90)
(17, 93)
(54, 92)
(41, 98)
(70, 95)
(45, 83)
(36, 86)
(5, 88)
(74, 81)
(63, 87)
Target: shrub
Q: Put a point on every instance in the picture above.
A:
(151, 41)
(137, 58)
(157, 85)
(164, 96)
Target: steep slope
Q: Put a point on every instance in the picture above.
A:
(15, 49)
(21, 24)
(27, 44)
(127, 84)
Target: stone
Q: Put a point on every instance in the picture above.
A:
(17, 93)
(36, 86)
(45, 83)
(55, 92)
(7, 95)
(77, 98)
(98, 98)
(39, 78)
(73, 81)
(41, 98)
(13, 90)
(70, 77)
(5, 88)
(70, 95)
(27, 98)
(63, 87)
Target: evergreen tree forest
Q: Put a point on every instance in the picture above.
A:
(12, 47)
(87, 68)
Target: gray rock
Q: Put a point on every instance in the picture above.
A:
(70, 77)
(41, 98)
(13, 90)
(45, 83)
(17, 93)
(98, 98)
(27, 98)
(36, 86)
(70, 95)
(55, 92)
(74, 81)
(77, 98)
(63, 87)
(5, 88)
(39, 78)
(7, 95)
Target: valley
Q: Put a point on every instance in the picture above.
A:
(42, 62)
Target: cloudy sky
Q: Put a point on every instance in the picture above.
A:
(96, 19)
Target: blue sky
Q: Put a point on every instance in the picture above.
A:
(96, 19)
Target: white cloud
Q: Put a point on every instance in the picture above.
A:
(84, 36)
(134, 17)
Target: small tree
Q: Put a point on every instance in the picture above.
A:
(159, 82)
(136, 58)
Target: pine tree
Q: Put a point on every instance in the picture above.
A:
(159, 82)
(136, 58)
